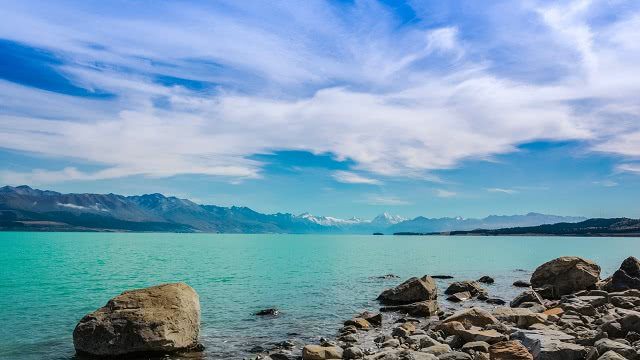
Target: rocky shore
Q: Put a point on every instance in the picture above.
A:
(566, 311)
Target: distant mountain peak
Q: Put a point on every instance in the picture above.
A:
(387, 218)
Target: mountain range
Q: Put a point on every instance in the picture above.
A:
(25, 208)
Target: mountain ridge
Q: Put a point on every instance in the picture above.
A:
(25, 208)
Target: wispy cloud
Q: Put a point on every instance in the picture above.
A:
(384, 200)
(347, 81)
(349, 177)
(606, 183)
(445, 193)
(630, 167)
(502, 190)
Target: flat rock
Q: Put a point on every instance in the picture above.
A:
(472, 317)
(509, 350)
(455, 355)
(477, 334)
(459, 297)
(482, 346)
(411, 291)
(423, 308)
(550, 345)
(510, 314)
(437, 349)
(158, 319)
(566, 275)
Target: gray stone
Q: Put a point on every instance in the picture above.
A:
(158, 319)
(455, 355)
(353, 352)
(604, 345)
(437, 349)
(566, 275)
(422, 308)
(476, 346)
(550, 345)
(611, 355)
(411, 291)
(472, 287)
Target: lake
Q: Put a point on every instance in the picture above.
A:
(48, 281)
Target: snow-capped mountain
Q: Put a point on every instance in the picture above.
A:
(387, 219)
(331, 221)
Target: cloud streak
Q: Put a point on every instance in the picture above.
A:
(399, 101)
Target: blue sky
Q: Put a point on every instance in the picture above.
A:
(342, 108)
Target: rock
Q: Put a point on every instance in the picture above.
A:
(604, 345)
(280, 356)
(391, 343)
(359, 323)
(550, 344)
(566, 275)
(455, 355)
(160, 319)
(388, 276)
(611, 355)
(626, 277)
(443, 277)
(473, 287)
(495, 301)
(410, 291)
(450, 327)
(476, 346)
(521, 283)
(374, 319)
(524, 297)
(480, 356)
(317, 352)
(349, 338)
(524, 321)
(423, 308)
(353, 352)
(509, 350)
(477, 334)
(268, 312)
(554, 311)
(510, 314)
(404, 330)
(486, 280)
(472, 317)
(459, 297)
(437, 349)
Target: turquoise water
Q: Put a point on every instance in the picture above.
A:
(48, 281)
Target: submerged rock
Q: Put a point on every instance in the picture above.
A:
(486, 280)
(268, 312)
(410, 291)
(521, 283)
(566, 275)
(158, 319)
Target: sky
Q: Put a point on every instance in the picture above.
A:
(338, 108)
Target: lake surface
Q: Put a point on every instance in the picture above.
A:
(48, 281)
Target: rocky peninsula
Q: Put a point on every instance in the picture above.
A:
(566, 311)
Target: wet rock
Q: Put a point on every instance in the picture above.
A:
(509, 350)
(566, 275)
(268, 312)
(388, 276)
(472, 317)
(442, 277)
(404, 330)
(473, 287)
(374, 319)
(604, 345)
(160, 319)
(280, 356)
(459, 297)
(410, 291)
(318, 352)
(423, 308)
(486, 280)
(359, 323)
(353, 352)
(495, 301)
(521, 283)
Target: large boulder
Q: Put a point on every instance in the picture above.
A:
(550, 345)
(158, 319)
(627, 277)
(566, 275)
(410, 291)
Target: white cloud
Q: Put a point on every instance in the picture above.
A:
(445, 193)
(348, 177)
(389, 113)
(606, 183)
(502, 190)
(632, 168)
(373, 199)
